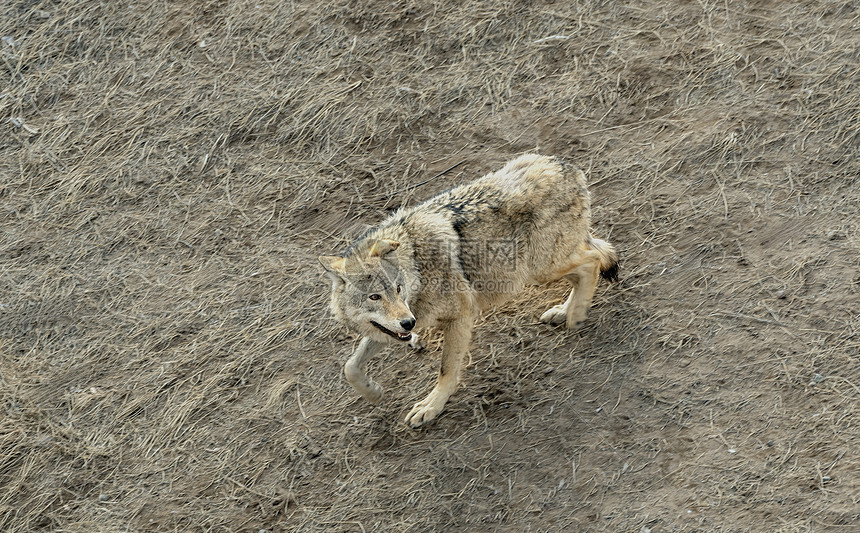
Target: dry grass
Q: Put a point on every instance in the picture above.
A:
(169, 174)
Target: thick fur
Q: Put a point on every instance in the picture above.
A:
(460, 252)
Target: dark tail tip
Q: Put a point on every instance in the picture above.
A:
(611, 273)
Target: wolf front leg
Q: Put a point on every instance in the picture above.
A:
(458, 333)
(354, 370)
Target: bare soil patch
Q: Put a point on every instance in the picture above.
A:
(169, 174)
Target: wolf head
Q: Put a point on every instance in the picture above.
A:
(369, 294)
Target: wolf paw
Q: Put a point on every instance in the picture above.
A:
(554, 315)
(575, 324)
(576, 320)
(372, 393)
(416, 343)
(427, 409)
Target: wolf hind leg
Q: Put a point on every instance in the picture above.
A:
(579, 301)
(458, 333)
(557, 314)
(583, 271)
(354, 372)
(574, 310)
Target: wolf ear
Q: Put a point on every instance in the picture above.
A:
(332, 264)
(382, 247)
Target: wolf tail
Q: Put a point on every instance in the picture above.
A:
(608, 258)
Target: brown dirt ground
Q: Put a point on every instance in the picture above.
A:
(170, 173)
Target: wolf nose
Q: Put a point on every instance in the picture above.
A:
(407, 323)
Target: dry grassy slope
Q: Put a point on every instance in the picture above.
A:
(168, 175)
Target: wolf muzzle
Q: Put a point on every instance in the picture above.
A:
(399, 336)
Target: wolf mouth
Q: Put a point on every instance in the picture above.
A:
(398, 336)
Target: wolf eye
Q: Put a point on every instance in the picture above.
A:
(375, 297)
(398, 289)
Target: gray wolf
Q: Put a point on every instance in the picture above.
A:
(465, 250)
